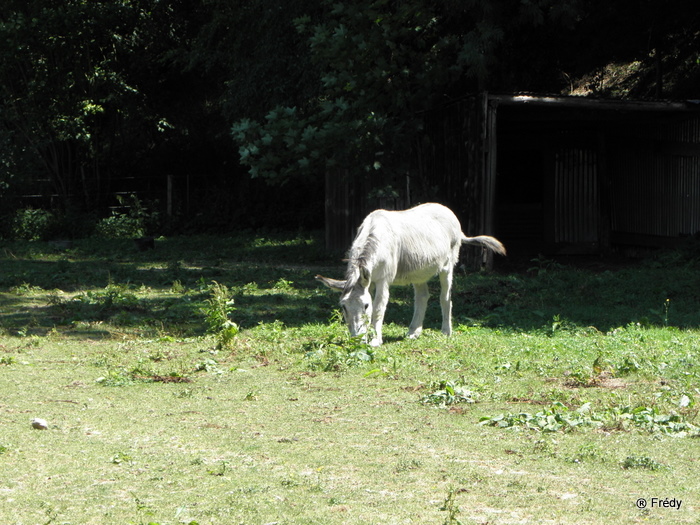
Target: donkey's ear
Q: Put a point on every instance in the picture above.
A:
(333, 284)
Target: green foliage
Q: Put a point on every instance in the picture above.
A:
(451, 507)
(7, 360)
(559, 418)
(629, 365)
(651, 420)
(446, 393)
(553, 419)
(361, 50)
(333, 354)
(380, 64)
(60, 107)
(642, 462)
(116, 378)
(217, 312)
(586, 453)
(113, 298)
(136, 222)
(31, 224)
(119, 226)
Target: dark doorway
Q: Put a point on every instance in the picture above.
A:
(520, 189)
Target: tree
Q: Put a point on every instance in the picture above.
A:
(58, 82)
(382, 63)
(77, 89)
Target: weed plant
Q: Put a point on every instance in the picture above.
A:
(218, 311)
(567, 392)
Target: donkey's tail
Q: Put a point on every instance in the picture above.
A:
(487, 241)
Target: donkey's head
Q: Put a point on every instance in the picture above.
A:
(355, 299)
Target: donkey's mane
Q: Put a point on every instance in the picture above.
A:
(362, 255)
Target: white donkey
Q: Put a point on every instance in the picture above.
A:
(402, 247)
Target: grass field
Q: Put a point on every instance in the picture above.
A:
(209, 381)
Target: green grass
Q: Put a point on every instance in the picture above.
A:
(565, 395)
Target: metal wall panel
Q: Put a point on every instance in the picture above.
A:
(576, 196)
(656, 185)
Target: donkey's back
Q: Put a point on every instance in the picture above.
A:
(411, 245)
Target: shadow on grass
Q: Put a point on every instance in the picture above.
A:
(150, 291)
(273, 281)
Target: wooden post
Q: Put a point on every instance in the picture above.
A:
(480, 178)
(490, 170)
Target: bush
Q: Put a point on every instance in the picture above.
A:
(135, 223)
(119, 226)
(30, 224)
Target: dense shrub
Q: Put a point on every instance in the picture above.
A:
(31, 224)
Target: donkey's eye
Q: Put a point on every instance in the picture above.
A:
(366, 306)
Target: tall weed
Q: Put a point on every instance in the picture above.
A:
(217, 311)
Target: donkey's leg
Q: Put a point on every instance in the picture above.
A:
(381, 299)
(421, 303)
(446, 300)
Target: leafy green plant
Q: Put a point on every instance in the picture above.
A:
(119, 226)
(557, 418)
(217, 313)
(446, 393)
(25, 289)
(629, 365)
(116, 378)
(642, 462)
(121, 457)
(651, 420)
(337, 354)
(586, 453)
(133, 223)
(405, 465)
(283, 285)
(31, 224)
(221, 471)
(587, 377)
(451, 507)
(208, 365)
(99, 304)
(177, 287)
(663, 311)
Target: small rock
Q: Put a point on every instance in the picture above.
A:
(39, 424)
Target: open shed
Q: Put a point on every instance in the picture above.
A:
(551, 174)
(575, 175)
(567, 174)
